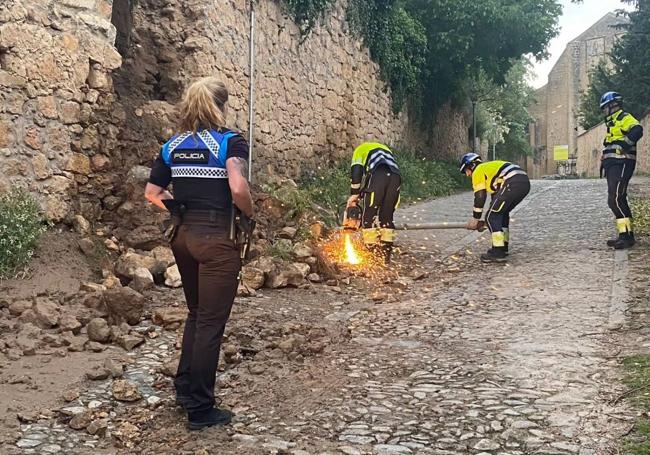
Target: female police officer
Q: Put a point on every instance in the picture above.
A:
(207, 164)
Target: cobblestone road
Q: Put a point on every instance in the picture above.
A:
(501, 360)
(512, 359)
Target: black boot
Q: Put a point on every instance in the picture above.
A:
(387, 252)
(506, 247)
(624, 241)
(494, 254)
(210, 418)
(183, 400)
(612, 242)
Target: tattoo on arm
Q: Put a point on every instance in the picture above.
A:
(241, 165)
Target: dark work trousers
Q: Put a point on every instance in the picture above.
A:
(511, 193)
(209, 265)
(619, 175)
(381, 197)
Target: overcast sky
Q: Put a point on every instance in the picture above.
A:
(574, 21)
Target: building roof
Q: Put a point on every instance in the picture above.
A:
(610, 19)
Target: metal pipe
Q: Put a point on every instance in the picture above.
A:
(251, 90)
(430, 226)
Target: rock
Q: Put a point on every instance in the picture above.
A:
(265, 263)
(304, 269)
(18, 307)
(114, 367)
(287, 232)
(130, 341)
(173, 277)
(170, 367)
(378, 296)
(314, 278)
(123, 304)
(14, 354)
(81, 420)
(142, 279)
(317, 230)
(87, 246)
(285, 275)
(164, 255)
(144, 237)
(154, 401)
(81, 225)
(98, 427)
(256, 368)
(70, 395)
(74, 343)
(97, 373)
(127, 264)
(171, 316)
(302, 251)
(486, 444)
(98, 330)
(253, 277)
(94, 346)
(389, 449)
(69, 323)
(124, 390)
(47, 312)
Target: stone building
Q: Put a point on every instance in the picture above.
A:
(556, 110)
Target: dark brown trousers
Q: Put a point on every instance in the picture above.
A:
(209, 265)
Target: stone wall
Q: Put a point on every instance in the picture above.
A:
(55, 64)
(590, 147)
(80, 123)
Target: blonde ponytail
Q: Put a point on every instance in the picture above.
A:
(204, 105)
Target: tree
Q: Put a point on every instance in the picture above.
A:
(630, 70)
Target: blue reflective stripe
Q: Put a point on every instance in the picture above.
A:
(223, 147)
(166, 156)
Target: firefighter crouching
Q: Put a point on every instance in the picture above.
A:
(509, 185)
(207, 164)
(618, 163)
(375, 186)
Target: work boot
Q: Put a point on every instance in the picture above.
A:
(183, 400)
(494, 254)
(612, 242)
(387, 252)
(625, 240)
(209, 418)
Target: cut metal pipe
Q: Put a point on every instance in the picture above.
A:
(429, 226)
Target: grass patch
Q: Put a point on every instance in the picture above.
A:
(280, 249)
(638, 381)
(641, 211)
(21, 227)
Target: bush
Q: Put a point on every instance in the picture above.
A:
(21, 226)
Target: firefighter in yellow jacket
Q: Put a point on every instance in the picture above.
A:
(618, 163)
(375, 185)
(509, 185)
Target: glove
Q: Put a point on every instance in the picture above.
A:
(473, 224)
(353, 200)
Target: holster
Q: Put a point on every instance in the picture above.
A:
(241, 231)
(176, 210)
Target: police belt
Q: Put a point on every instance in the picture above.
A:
(214, 218)
(627, 156)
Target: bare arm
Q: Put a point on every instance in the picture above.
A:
(156, 194)
(241, 193)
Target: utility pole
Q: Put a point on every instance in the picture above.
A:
(494, 143)
(251, 89)
(474, 125)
